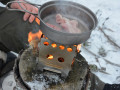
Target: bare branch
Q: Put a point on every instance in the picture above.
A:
(105, 21)
(112, 42)
(96, 56)
(108, 29)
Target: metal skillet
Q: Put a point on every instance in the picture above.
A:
(87, 21)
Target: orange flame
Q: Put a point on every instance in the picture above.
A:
(69, 49)
(54, 45)
(37, 20)
(78, 47)
(61, 47)
(32, 36)
(73, 62)
(46, 43)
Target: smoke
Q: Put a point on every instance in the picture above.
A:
(71, 11)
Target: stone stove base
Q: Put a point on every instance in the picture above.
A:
(27, 66)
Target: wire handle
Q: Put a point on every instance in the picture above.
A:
(24, 10)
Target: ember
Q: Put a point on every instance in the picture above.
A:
(73, 62)
(46, 43)
(54, 45)
(69, 49)
(50, 57)
(78, 47)
(61, 47)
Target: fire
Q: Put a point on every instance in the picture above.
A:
(73, 62)
(61, 47)
(69, 49)
(54, 45)
(78, 47)
(37, 20)
(50, 57)
(46, 43)
(43, 36)
(33, 36)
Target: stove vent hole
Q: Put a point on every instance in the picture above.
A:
(60, 59)
(75, 45)
(54, 45)
(46, 43)
(61, 47)
(69, 49)
(49, 56)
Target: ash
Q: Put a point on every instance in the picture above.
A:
(45, 80)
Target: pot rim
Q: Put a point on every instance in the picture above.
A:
(86, 10)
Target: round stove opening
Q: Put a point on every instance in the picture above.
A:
(60, 59)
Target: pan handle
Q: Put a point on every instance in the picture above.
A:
(24, 10)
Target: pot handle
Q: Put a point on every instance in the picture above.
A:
(24, 10)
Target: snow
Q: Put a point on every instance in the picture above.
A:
(8, 82)
(36, 84)
(2, 5)
(104, 9)
(44, 83)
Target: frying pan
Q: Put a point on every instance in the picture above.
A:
(87, 21)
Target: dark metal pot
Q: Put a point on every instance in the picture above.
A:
(85, 17)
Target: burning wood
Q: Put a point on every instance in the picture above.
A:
(34, 45)
(34, 39)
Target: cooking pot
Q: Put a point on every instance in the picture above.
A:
(87, 20)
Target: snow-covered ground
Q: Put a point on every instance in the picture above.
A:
(98, 43)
